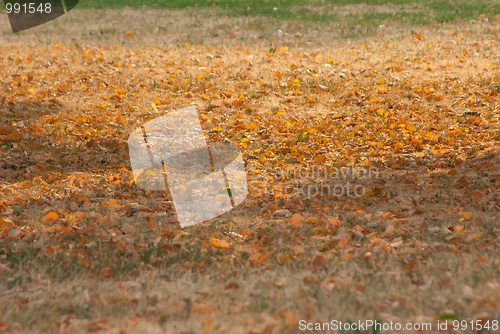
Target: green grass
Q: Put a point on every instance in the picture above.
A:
(423, 12)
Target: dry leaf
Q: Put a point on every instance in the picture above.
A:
(219, 243)
(50, 217)
(467, 215)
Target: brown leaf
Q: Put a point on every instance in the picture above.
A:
(7, 224)
(106, 273)
(297, 249)
(152, 223)
(128, 229)
(98, 326)
(319, 261)
(207, 291)
(231, 286)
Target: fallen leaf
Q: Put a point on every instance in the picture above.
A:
(219, 243)
(128, 229)
(256, 258)
(319, 261)
(50, 217)
(106, 273)
(467, 215)
(296, 219)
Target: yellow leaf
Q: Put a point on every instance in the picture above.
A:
(382, 90)
(283, 49)
(476, 236)
(208, 326)
(467, 215)
(245, 142)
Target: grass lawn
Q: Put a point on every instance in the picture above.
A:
(406, 91)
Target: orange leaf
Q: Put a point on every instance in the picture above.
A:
(239, 102)
(255, 259)
(3, 130)
(343, 243)
(320, 159)
(7, 224)
(386, 215)
(347, 257)
(285, 258)
(83, 262)
(219, 243)
(334, 222)
(50, 217)
(418, 36)
(64, 229)
(50, 250)
(49, 230)
(296, 219)
(3, 326)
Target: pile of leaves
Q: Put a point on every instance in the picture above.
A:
(412, 123)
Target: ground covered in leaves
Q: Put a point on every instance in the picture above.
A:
(372, 167)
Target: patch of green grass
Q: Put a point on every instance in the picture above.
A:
(321, 10)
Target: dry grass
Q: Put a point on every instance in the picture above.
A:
(94, 277)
